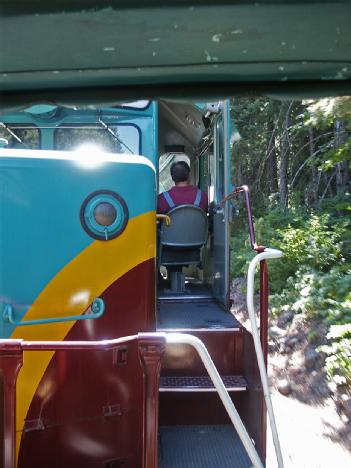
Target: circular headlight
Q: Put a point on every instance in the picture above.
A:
(104, 215)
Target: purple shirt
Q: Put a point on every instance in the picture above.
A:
(181, 196)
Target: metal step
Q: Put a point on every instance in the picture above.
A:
(194, 315)
(201, 447)
(233, 383)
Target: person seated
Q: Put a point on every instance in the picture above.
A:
(183, 193)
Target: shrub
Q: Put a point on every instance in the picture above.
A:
(314, 276)
(338, 361)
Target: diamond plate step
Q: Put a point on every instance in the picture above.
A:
(233, 383)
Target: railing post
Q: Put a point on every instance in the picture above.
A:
(264, 290)
(151, 349)
(11, 360)
(264, 308)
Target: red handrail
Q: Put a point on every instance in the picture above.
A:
(245, 189)
(151, 348)
(264, 281)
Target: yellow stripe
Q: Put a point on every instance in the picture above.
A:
(72, 290)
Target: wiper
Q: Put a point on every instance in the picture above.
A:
(114, 136)
(13, 134)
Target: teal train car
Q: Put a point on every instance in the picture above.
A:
(82, 262)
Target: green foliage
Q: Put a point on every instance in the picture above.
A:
(314, 276)
(333, 156)
(295, 157)
(327, 111)
(311, 241)
(338, 361)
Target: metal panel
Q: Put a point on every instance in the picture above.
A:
(220, 218)
(41, 231)
(110, 45)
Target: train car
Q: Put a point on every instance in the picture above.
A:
(118, 348)
(86, 262)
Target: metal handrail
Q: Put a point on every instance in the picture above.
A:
(163, 217)
(263, 265)
(266, 254)
(183, 338)
(245, 189)
(97, 310)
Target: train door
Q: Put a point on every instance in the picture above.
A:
(221, 163)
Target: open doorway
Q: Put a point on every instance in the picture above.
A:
(197, 134)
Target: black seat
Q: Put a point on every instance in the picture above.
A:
(181, 242)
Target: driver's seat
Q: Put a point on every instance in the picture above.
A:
(181, 242)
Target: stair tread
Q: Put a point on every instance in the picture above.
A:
(195, 315)
(200, 383)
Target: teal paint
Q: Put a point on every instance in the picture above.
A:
(40, 229)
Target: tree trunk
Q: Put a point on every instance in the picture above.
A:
(284, 155)
(272, 166)
(315, 178)
(342, 169)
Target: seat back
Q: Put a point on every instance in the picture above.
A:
(188, 228)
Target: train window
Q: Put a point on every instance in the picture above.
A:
(13, 136)
(165, 163)
(112, 139)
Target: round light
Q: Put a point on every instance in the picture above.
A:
(105, 214)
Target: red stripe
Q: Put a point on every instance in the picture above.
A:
(77, 385)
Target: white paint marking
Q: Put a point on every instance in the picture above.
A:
(216, 37)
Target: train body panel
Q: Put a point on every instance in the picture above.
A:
(55, 269)
(82, 261)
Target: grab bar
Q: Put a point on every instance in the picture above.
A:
(97, 309)
(183, 338)
(266, 254)
(245, 189)
(163, 217)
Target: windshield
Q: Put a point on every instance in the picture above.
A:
(112, 139)
(12, 136)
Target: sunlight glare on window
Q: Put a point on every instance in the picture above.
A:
(89, 155)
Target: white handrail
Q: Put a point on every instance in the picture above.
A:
(193, 341)
(265, 255)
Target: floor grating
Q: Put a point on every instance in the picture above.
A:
(201, 447)
(194, 315)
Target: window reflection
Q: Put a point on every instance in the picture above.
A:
(123, 139)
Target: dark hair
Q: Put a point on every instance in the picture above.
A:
(180, 171)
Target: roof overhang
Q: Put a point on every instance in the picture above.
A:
(71, 51)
